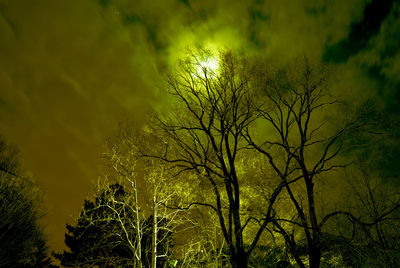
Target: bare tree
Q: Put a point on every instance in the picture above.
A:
(370, 221)
(301, 146)
(205, 136)
(122, 158)
(378, 210)
(204, 245)
(154, 183)
(165, 219)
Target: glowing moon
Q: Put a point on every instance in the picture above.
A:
(208, 67)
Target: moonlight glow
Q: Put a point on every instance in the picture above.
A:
(208, 66)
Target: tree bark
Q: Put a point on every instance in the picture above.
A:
(239, 259)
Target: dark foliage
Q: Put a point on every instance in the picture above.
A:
(22, 241)
(96, 239)
(99, 238)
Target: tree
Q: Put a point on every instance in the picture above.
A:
(22, 239)
(164, 219)
(369, 224)
(205, 136)
(105, 234)
(121, 160)
(302, 148)
(155, 185)
(206, 246)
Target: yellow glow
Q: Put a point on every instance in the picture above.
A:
(208, 66)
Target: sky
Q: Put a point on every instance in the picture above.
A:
(70, 71)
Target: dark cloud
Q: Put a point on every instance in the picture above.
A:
(361, 32)
(380, 61)
(70, 70)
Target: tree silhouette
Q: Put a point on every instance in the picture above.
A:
(98, 238)
(22, 240)
(105, 233)
(371, 229)
(303, 148)
(205, 136)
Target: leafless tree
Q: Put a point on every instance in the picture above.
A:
(165, 219)
(370, 221)
(121, 157)
(152, 185)
(205, 136)
(301, 146)
(204, 246)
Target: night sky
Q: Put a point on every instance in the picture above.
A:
(71, 70)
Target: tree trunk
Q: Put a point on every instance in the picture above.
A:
(239, 260)
(314, 253)
(314, 249)
(154, 233)
(138, 232)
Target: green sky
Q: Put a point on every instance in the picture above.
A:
(71, 70)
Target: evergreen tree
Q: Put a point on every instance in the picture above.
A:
(105, 233)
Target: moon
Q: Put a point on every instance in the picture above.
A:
(208, 67)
